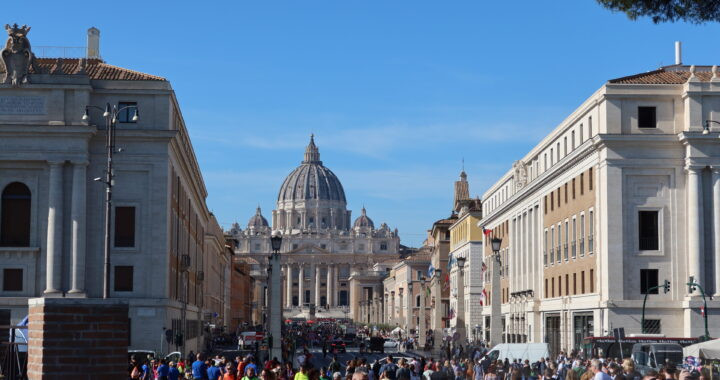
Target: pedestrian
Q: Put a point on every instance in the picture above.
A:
(162, 370)
(199, 368)
(250, 374)
(173, 372)
(213, 372)
(597, 369)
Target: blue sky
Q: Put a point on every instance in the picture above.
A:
(397, 92)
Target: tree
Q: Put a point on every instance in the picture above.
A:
(694, 11)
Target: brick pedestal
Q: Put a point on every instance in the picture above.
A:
(77, 339)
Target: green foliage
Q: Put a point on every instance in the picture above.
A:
(693, 11)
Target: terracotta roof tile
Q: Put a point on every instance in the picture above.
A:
(94, 68)
(665, 75)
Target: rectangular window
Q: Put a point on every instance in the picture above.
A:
(558, 151)
(123, 278)
(545, 165)
(546, 288)
(552, 245)
(648, 279)
(567, 285)
(126, 112)
(545, 248)
(558, 197)
(559, 241)
(582, 184)
(582, 235)
(545, 204)
(590, 127)
(572, 140)
(582, 282)
(566, 193)
(648, 231)
(574, 237)
(591, 231)
(590, 179)
(12, 280)
(573, 188)
(592, 280)
(574, 283)
(124, 226)
(581, 133)
(652, 326)
(552, 282)
(559, 286)
(567, 234)
(565, 145)
(383, 246)
(646, 117)
(551, 156)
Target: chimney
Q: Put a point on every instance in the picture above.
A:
(93, 43)
(678, 53)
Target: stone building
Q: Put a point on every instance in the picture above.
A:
(621, 196)
(322, 246)
(164, 240)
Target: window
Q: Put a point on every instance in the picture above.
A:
(572, 140)
(591, 231)
(574, 283)
(552, 282)
(652, 326)
(546, 288)
(257, 247)
(581, 133)
(361, 247)
(545, 248)
(582, 234)
(559, 246)
(551, 156)
(294, 246)
(574, 236)
(592, 280)
(648, 279)
(12, 280)
(565, 145)
(582, 282)
(558, 197)
(545, 161)
(558, 151)
(552, 245)
(646, 117)
(573, 188)
(383, 246)
(590, 127)
(590, 179)
(419, 274)
(559, 286)
(124, 226)
(582, 183)
(552, 201)
(15, 220)
(567, 234)
(323, 246)
(123, 278)
(567, 284)
(126, 115)
(545, 204)
(566, 193)
(648, 231)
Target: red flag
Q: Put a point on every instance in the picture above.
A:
(483, 297)
(486, 231)
(702, 311)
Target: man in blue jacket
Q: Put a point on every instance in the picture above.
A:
(199, 369)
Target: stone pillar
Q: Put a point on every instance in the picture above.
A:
(329, 287)
(77, 338)
(391, 313)
(54, 230)
(695, 223)
(336, 283)
(495, 304)
(460, 317)
(289, 286)
(438, 312)
(78, 227)
(317, 286)
(400, 310)
(312, 288)
(716, 224)
(301, 288)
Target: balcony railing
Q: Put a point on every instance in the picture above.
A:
(590, 244)
(565, 251)
(582, 247)
(574, 249)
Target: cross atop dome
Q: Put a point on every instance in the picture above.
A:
(312, 154)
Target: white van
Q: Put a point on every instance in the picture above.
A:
(530, 351)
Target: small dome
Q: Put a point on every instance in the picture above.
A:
(363, 221)
(257, 221)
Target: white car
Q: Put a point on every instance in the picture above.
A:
(391, 343)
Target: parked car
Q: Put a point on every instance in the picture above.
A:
(376, 344)
(391, 343)
(652, 356)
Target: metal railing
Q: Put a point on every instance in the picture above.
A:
(60, 51)
(13, 361)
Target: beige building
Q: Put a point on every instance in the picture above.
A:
(621, 196)
(167, 257)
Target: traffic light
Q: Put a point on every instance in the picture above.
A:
(169, 335)
(179, 339)
(666, 286)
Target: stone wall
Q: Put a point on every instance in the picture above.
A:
(73, 338)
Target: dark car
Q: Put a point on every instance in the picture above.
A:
(349, 339)
(377, 344)
(337, 345)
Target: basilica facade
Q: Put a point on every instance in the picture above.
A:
(327, 259)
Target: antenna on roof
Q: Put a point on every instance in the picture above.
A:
(678, 53)
(463, 164)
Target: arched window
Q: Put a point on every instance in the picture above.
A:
(15, 219)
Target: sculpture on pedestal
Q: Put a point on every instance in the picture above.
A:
(17, 56)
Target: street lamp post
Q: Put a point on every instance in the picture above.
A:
(439, 311)
(110, 114)
(495, 311)
(691, 288)
(460, 318)
(275, 304)
(421, 315)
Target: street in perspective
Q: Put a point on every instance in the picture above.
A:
(361, 191)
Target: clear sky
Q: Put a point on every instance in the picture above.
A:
(396, 92)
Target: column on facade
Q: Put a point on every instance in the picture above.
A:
(312, 287)
(54, 229)
(329, 287)
(716, 224)
(695, 223)
(289, 285)
(301, 287)
(391, 314)
(401, 309)
(317, 286)
(78, 215)
(422, 328)
(336, 283)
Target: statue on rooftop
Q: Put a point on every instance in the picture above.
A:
(17, 55)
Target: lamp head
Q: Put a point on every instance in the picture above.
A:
(276, 241)
(136, 115)
(495, 243)
(107, 110)
(461, 262)
(86, 116)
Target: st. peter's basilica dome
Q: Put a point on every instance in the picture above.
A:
(311, 180)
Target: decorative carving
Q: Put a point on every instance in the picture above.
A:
(519, 174)
(17, 56)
